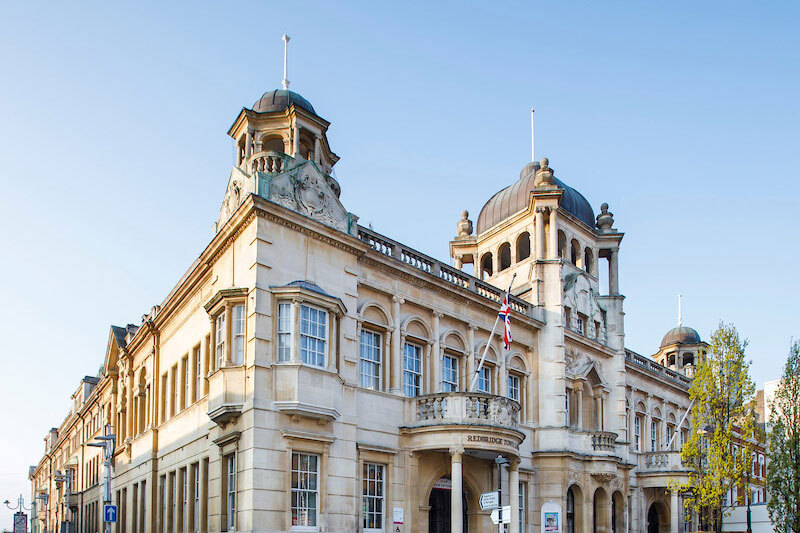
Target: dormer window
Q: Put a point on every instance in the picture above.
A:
(306, 324)
(579, 324)
(228, 313)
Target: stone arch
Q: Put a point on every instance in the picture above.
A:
(454, 340)
(601, 511)
(523, 246)
(374, 312)
(588, 260)
(618, 513)
(562, 245)
(273, 142)
(575, 253)
(504, 254)
(517, 362)
(487, 268)
(470, 484)
(491, 354)
(415, 326)
(657, 510)
(306, 144)
(573, 509)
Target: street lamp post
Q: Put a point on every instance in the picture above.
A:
(20, 507)
(108, 443)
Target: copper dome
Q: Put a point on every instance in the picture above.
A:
(281, 99)
(681, 335)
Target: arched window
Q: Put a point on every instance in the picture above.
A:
(272, 144)
(486, 265)
(588, 260)
(575, 253)
(569, 523)
(562, 244)
(505, 256)
(523, 246)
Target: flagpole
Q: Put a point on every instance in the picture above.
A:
(680, 425)
(488, 342)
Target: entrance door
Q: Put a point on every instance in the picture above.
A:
(439, 515)
(652, 520)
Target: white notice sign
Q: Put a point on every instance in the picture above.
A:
(506, 515)
(397, 514)
(490, 500)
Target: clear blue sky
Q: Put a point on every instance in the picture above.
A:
(114, 155)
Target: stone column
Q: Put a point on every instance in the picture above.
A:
(396, 382)
(456, 525)
(673, 511)
(248, 145)
(580, 405)
(598, 401)
(318, 150)
(295, 348)
(513, 495)
(613, 272)
(553, 234)
(436, 356)
(539, 233)
(387, 351)
(296, 142)
(648, 429)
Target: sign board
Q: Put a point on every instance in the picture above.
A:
(109, 513)
(490, 500)
(551, 518)
(20, 522)
(397, 515)
(506, 515)
(443, 483)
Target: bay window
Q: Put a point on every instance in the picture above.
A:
(237, 333)
(228, 313)
(313, 335)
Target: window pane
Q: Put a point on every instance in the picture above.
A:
(411, 370)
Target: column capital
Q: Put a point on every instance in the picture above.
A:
(456, 452)
(437, 314)
(398, 299)
(472, 327)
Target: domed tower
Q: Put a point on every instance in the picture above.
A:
(546, 233)
(283, 155)
(680, 348)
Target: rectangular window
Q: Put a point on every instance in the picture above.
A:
(653, 436)
(513, 387)
(566, 407)
(135, 508)
(313, 335)
(186, 383)
(198, 374)
(209, 361)
(412, 370)
(163, 413)
(284, 332)
(162, 498)
(182, 526)
(373, 485)
(176, 391)
(521, 506)
(238, 334)
(449, 374)
(484, 383)
(305, 489)
(637, 433)
(370, 360)
(670, 431)
(219, 338)
(196, 498)
(579, 321)
(142, 506)
(231, 496)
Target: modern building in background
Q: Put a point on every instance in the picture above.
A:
(309, 374)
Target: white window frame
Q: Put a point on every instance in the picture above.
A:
(484, 376)
(653, 435)
(313, 337)
(511, 379)
(414, 372)
(449, 373)
(366, 479)
(219, 338)
(299, 490)
(185, 508)
(196, 510)
(285, 330)
(371, 358)
(230, 496)
(198, 378)
(238, 329)
(522, 495)
(637, 432)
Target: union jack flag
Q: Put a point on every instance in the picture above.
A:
(505, 316)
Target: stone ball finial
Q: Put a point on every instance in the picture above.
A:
(605, 219)
(544, 176)
(464, 226)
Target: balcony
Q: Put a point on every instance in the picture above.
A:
(658, 468)
(307, 391)
(226, 394)
(460, 419)
(268, 162)
(597, 442)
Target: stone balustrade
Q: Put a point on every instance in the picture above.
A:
(465, 408)
(603, 440)
(443, 271)
(639, 361)
(664, 461)
(269, 162)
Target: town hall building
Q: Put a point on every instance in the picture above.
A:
(308, 374)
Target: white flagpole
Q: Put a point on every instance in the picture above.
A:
(488, 342)
(680, 425)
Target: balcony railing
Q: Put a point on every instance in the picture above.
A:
(648, 364)
(665, 461)
(443, 271)
(269, 162)
(466, 408)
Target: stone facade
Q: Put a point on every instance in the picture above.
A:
(309, 374)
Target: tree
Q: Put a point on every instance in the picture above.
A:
(722, 426)
(783, 453)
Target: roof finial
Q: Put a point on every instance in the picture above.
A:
(680, 317)
(285, 82)
(533, 152)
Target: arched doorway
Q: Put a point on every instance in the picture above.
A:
(439, 502)
(617, 512)
(652, 519)
(600, 511)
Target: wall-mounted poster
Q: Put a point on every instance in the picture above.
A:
(551, 522)
(551, 517)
